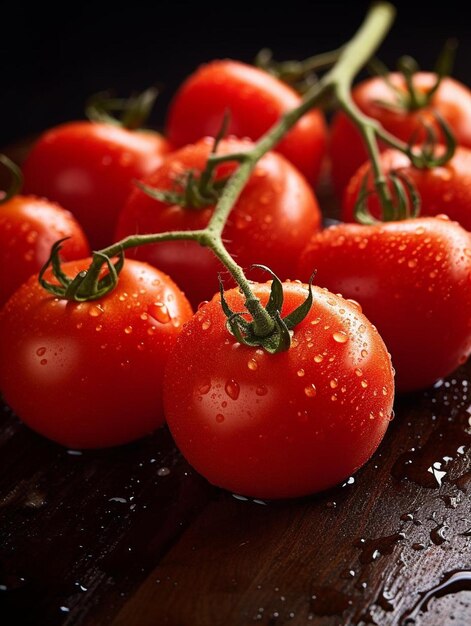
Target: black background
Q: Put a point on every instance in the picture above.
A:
(52, 59)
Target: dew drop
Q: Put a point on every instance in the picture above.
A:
(159, 311)
(261, 390)
(356, 304)
(340, 336)
(310, 390)
(206, 324)
(318, 358)
(232, 389)
(41, 351)
(334, 383)
(96, 310)
(43, 361)
(128, 330)
(364, 383)
(300, 373)
(359, 372)
(219, 418)
(252, 364)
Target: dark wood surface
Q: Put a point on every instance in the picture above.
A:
(133, 537)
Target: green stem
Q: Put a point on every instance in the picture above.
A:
(336, 82)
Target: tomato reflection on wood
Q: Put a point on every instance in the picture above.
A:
(413, 280)
(93, 371)
(280, 425)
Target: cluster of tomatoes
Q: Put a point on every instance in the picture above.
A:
(106, 371)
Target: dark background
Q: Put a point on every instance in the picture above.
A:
(52, 59)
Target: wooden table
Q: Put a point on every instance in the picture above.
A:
(133, 537)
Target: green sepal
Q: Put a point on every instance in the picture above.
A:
(16, 177)
(86, 285)
(426, 157)
(297, 316)
(279, 339)
(130, 113)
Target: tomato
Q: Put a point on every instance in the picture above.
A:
(90, 374)
(444, 189)
(270, 223)
(28, 228)
(89, 168)
(413, 280)
(452, 101)
(256, 100)
(279, 425)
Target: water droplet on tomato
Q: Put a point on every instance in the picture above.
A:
(340, 336)
(201, 304)
(96, 310)
(252, 364)
(144, 316)
(364, 384)
(318, 358)
(206, 324)
(412, 263)
(128, 330)
(356, 304)
(261, 390)
(359, 372)
(98, 327)
(204, 387)
(334, 383)
(219, 418)
(159, 312)
(43, 361)
(310, 390)
(41, 351)
(300, 372)
(232, 389)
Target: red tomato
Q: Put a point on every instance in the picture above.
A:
(283, 425)
(89, 169)
(270, 223)
(90, 375)
(413, 280)
(444, 189)
(28, 228)
(256, 100)
(452, 101)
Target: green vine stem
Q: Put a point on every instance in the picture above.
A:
(335, 83)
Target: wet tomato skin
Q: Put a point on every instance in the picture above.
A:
(256, 100)
(89, 168)
(271, 222)
(413, 281)
(442, 190)
(89, 375)
(452, 101)
(284, 425)
(29, 226)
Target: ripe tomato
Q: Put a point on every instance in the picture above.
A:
(89, 169)
(256, 100)
(279, 425)
(444, 189)
(413, 280)
(28, 228)
(89, 375)
(270, 223)
(452, 101)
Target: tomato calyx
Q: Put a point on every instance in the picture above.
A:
(275, 339)
(301, 75)
(403, 202)
(428, 154)
(413, 99)
(129, 113)
(16, 179)
(87, 285)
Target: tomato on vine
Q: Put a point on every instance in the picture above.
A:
(255, 101)
(271, 222)
(89, 168)
(286, 424)
(90, 374)
(413, 281)
(402, 111)
(445, 189)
